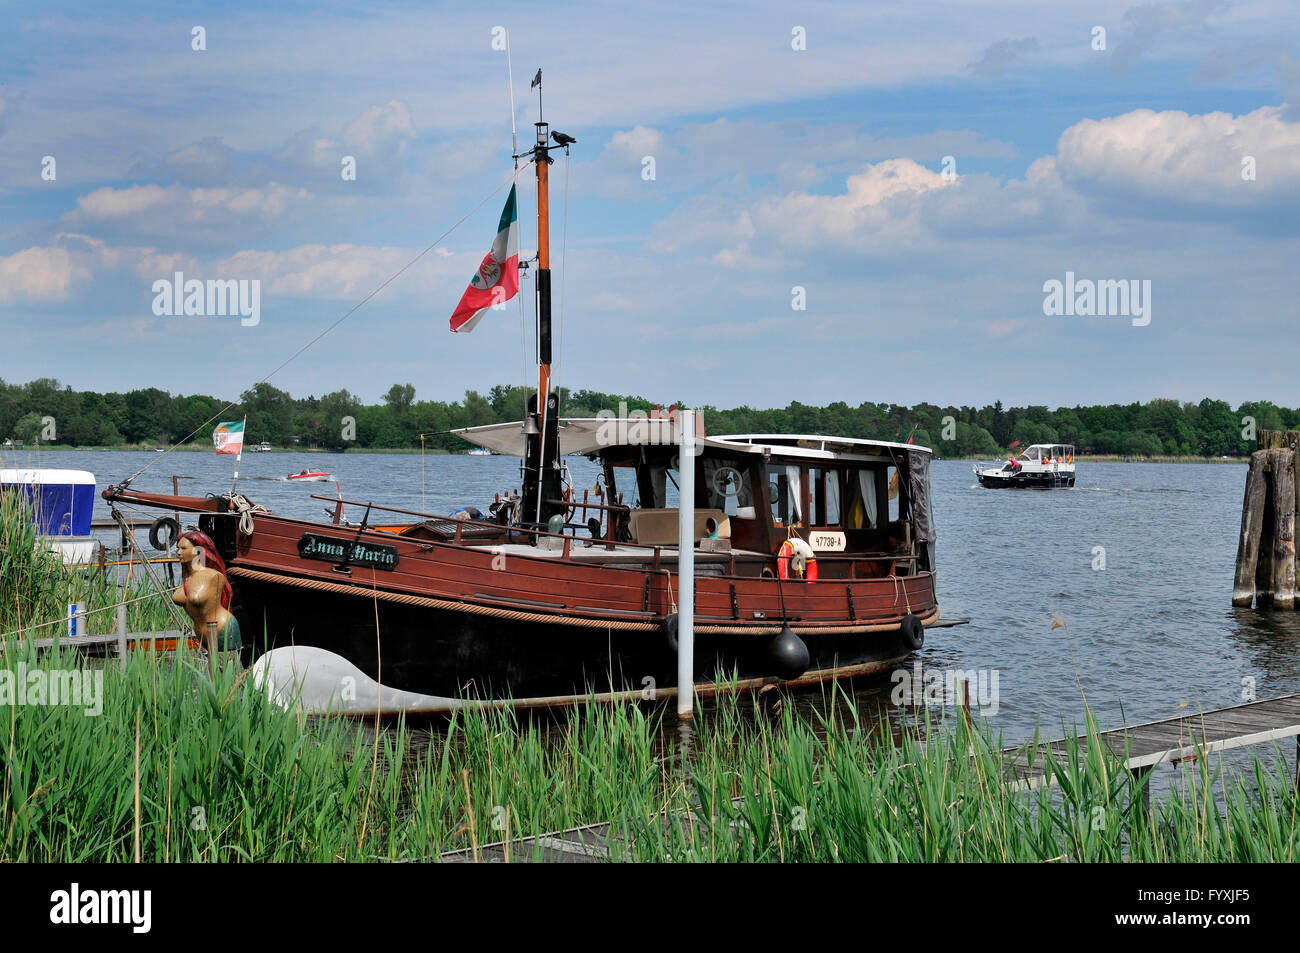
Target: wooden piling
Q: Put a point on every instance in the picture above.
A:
(1252, 522)
(1282, 489)
(1264, 567)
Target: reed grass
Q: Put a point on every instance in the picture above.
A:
(225, 775)
(36, 588)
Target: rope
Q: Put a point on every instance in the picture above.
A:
(347, 314)
(157, 585)
(87, 614)
(672, 599)
(515, 615)
(246, 510)
(906, 598)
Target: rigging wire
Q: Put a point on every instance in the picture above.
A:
(347, 314)
(510, 78)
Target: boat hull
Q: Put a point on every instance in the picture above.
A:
(462, 610)
(1026, 481)
(472, 656)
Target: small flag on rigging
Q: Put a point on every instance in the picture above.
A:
(229, 438)
(497, 278)
(537, 80)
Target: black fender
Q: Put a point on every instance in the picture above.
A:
(912, 630)
(156, 535)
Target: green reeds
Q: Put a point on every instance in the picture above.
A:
(36, 588)
(225, 775)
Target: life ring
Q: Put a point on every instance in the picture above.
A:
(796, 554)
(157, 540)
(912, 630)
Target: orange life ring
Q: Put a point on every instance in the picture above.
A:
(797, 554)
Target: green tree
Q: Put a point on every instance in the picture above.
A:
(28, 428)
(399, 398)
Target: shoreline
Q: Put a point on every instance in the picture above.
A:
(191, 448)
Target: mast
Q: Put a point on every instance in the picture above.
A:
(542, 482)
(541, 154)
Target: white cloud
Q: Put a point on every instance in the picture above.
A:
(198, 216)
(39, 274)
(885, 192)
(347, 272)
(381, 130)
(1179, 163)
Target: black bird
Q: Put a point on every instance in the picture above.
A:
(563, 139)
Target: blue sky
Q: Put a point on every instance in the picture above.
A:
(820, 168)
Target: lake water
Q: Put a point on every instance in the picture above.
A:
(1150, 636)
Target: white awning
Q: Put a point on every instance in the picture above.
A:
(588, 435)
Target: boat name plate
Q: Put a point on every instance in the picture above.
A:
(334, 550)
(824, 542)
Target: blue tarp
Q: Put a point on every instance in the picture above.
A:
(61, 509)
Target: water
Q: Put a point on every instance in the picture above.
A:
(1151, 636)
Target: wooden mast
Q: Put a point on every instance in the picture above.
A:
(545, 486)
(543, 163)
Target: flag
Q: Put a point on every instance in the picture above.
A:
(537, 80)
(229, 438)
(497, 278)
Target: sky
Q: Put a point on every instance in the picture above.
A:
(767, 202)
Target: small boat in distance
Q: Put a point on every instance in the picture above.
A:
(479, 452)
(263, 447)
(1043, 466)
(308, 476)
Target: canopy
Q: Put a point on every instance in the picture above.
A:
(63, 500)
(588, 435)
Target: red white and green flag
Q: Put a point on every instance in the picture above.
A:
(497, 278)
(229, 438)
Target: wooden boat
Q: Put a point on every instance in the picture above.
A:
(815, 559)
(1042, 466)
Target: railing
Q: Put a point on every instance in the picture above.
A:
(656, 550)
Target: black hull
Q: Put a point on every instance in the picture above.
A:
(1028, 481)
(461, 655)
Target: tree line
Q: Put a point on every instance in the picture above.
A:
(44, 411)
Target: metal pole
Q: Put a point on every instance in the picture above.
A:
(239, 456)
(686, 568)
(121, 631)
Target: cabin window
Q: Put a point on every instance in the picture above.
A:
(893, 494)
(726, 486)
(778, 494)
(659, 485)
(860, 501)
(825, 485)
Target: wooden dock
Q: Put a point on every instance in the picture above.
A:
(111, 639)
(1140, 747)
(1173, 740)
